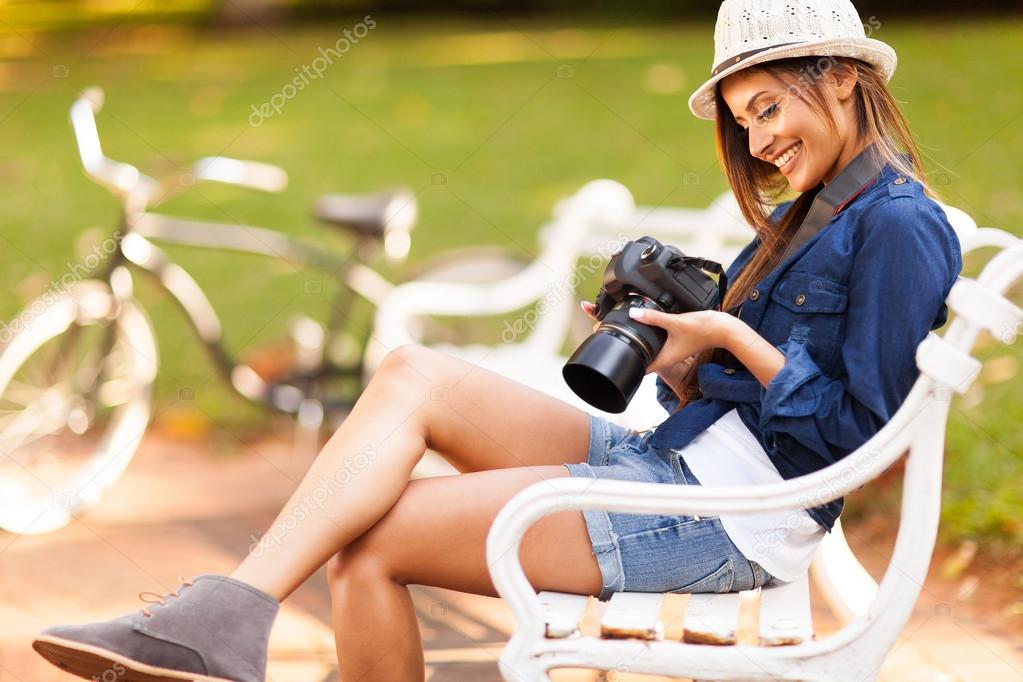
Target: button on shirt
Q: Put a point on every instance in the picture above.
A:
(847, 309)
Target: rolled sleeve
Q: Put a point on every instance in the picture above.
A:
(791, 392)
(802, 405)
(906, 263)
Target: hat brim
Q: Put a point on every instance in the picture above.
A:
(878, 54)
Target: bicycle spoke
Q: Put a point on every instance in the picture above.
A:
(21, 394)
(30, 424)
(116, 392)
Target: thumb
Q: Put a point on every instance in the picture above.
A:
(589, 308)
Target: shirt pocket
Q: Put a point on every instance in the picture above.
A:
(811, 308)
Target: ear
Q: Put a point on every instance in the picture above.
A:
(843, 81)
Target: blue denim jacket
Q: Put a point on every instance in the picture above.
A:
(847, 309)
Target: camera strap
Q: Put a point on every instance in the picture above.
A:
(858, 174)
(711, 266)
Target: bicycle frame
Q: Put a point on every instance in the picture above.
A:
(137, 248)
(140, 227)
(83, 371)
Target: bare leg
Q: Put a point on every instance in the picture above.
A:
(419, 398)
(436, 535)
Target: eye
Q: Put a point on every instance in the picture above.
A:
(768, 113)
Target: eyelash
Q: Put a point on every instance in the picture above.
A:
(764, 115)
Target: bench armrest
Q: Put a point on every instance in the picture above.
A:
(559, 494)
(547, 277)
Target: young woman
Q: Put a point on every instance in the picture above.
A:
(811, 353)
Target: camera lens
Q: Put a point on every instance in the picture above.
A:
(608, 368)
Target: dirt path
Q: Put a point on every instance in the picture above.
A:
(181, 510)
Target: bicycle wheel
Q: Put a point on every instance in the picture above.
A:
(75, 390)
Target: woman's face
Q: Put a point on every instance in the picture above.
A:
(779, 123)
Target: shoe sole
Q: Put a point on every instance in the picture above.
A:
(96, 663)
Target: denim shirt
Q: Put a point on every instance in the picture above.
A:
(847, 309)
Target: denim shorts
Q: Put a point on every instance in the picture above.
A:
(656, 552)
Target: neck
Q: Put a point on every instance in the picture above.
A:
(850, 150)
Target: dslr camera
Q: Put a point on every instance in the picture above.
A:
(607, 369)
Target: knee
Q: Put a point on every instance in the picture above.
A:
(335, 571)
(356, 564)
(405, 359)
(417, 370)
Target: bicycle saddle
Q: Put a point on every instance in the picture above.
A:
(371, 215)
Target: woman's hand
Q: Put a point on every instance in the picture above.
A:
(688, 334)
(590, 309)
(691, 333)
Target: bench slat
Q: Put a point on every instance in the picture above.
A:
(785, 613)
(562, 613)
(633, 615)
(712, 618)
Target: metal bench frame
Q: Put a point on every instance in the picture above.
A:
(547, 634)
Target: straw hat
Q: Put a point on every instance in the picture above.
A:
(752, 32)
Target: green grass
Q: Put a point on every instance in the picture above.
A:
(483, 105)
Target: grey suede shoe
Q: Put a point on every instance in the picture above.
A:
(212, 629)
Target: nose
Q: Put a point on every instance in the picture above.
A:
(760, 140)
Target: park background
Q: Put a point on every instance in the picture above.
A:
(491, 112)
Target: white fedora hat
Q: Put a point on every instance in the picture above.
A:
(752, 32)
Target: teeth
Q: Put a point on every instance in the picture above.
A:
(784, 158)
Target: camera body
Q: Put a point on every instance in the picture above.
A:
(608, 367)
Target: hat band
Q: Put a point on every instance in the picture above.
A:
(732, 61)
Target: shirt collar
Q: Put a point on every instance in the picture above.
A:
(865, 170)
(858, 175)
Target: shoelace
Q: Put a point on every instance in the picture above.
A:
(159, 599)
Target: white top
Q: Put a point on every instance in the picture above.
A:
(783, 542)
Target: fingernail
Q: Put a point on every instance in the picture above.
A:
(582, 304)
(635, 313)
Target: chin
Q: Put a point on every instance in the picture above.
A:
(800, 184)
(804, 181)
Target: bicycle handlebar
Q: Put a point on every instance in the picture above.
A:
(125, 179)
(252, 174)
(121, 178)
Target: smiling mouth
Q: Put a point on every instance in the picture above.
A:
(784, 162)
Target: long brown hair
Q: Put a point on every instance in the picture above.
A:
(759, 186)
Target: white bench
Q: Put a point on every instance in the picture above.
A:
(631, 638)
(592, 221)
(583, 232)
